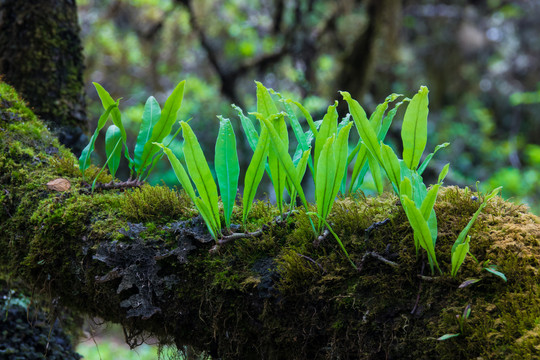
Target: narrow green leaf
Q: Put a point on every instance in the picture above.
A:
(265, 103)
(429, 201)
(163, 126)
(106, 101)
(312, 125)
(420, 227)
(493, 269)
(327, 129)
(84, 159)
(285, 158)
(277, 169)
(465, 231)
(406, 187)
(468, 282)
(300, 172)
(298, 133)
(151, 115)
(340, 157)
(112, 150)
(391, 166)
(458, 256)
(117, 146)
(206, 214)
(227, 167)
(443, 173)
(200, 172)
(447, 336)
(326, 172)
(414, 128)
(302, 164)
(360, 167)
(255, 172)
(366, 132)
(179, 171)
(387, 121)
(185, 181)
(430, 156)
(251, 134)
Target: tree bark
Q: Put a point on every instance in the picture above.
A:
(142, 258)
(41, 56)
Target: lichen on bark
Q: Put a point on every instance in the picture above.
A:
(280, 295)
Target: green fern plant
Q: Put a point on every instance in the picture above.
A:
(323, 148)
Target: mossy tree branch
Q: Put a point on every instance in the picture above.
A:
(140, 257)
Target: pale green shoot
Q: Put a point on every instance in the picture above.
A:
(463, 238)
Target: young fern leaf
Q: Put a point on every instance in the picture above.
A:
(391, 166)
(340, 157)
(254, 173)
(465, 231)
(429, 157)
(200, 172)
(106, 101)
(285, 159)
(303, 144)
(84, 159)
(267, 109)
(163, 126)
(151, 115)
(300, 172)
(227, 167)
(114, 152)
(458, 256)
(117, 146)
(312, 125)
(251, 134)
(414, 128)
(179, 171)
(327, 129)
(279, 174)
(360, 168)
(185, 181)
(365, 130)
(421, 229)
(324, 181)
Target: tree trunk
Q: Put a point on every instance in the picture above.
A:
(140, 258)
(41, 56)
(359, 61)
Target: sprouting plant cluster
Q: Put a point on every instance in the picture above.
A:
(156, 125)
(324, 148)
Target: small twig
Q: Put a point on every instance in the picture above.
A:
(236, 236)
(313, 261)
(256, 233)
(117, 185)
(378, 257)
(373, 226)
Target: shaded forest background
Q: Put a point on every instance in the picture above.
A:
(478, 58)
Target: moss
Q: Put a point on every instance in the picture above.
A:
(156, 203)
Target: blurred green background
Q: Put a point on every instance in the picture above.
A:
(478, 58)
